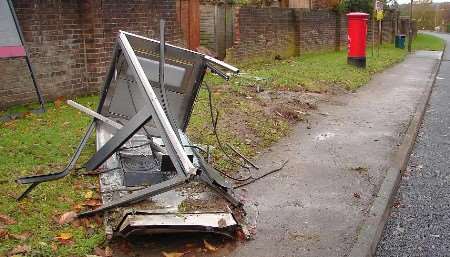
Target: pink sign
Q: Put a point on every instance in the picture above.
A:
(12, 51)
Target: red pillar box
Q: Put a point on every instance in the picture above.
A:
(356, 35)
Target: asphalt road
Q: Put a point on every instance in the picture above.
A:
(419, 224)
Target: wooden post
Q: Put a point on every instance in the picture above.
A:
(188, 13)
(380, 37)
(194, 24)
(373, 24)
(410, 27)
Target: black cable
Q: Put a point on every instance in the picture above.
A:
(135, 146)
(221, 172)
(242, 156)
(214, 123)
(233, 178)
(262, 176)
(93, 173)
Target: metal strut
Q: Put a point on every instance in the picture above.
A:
(37, 179)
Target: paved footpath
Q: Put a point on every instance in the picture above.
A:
(315, 205)
(419, 224)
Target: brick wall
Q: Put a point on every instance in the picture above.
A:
(264, 32)
(388, 27)
(70, 43)
(52, 32)
(317, 30)
(270, 32)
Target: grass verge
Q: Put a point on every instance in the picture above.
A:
(427, 42)
(250, 120)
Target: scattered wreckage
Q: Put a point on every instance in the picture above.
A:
(153, 179)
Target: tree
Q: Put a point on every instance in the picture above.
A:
(364, 5)
(355, 6)
(427, 14)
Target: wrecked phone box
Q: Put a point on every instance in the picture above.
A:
(153, 179)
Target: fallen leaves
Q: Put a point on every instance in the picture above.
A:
(20, 249)
(92, 203)
(67, 217)
(107, 252)
(5, 219)
(209, 246)
(172, 254)
(191, 249)
(22, 236)
(65, 238)
(58, 102)
(89, 194)
(3, 233)
(77, 207)
(90, 222)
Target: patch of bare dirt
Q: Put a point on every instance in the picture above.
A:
(290, 105)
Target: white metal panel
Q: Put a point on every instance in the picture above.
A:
(9, 36)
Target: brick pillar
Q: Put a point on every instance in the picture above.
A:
(338, 30)
(94, 47)
(237, 29)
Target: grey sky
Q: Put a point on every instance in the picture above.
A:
(408, 1)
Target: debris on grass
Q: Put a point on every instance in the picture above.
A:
(360, 169)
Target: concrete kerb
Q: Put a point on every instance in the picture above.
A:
(373, 225)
